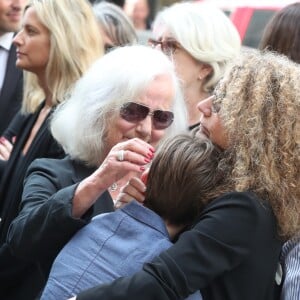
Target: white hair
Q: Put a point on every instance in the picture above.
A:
(205, 32)
(81, 123)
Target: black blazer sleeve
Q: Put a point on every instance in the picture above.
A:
(15, 126)
(13, 129)
(45, 222)
(220, 241)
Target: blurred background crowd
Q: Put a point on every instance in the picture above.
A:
(249, 16)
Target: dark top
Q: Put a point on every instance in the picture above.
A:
(14, 273)
(232, 253)
(11, 92)
(11, 185)
(45, 223)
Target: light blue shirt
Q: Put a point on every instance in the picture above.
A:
(291, 266)
(113, 245)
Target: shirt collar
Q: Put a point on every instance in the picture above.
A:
(145, 215)
(6, 40)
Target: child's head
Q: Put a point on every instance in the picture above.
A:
(183, 177)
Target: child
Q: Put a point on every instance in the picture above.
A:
(183, 177)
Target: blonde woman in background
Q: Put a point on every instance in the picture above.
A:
(58, 41)
(202, 41)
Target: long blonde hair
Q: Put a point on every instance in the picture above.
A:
(75, 43)
(259, 101)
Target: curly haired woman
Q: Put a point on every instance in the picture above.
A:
(233, 250)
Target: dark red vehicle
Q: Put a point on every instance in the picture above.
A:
(250, 17)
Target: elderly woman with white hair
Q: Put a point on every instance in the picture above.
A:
(122, 107)
(201, 41)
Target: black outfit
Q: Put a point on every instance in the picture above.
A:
(11, 184)
(13, 272)
(232, 253)
(45, 223)
(11, 92)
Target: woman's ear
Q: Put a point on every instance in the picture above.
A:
(205, 70)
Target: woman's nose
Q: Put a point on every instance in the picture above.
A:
(17, 39)
(205, 106)
(144, 127)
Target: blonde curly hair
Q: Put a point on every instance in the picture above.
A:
(259, 104)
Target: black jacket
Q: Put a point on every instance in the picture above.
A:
(232, 253)
(13, 172)
(14, 272)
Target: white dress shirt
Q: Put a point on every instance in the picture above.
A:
(5, 44)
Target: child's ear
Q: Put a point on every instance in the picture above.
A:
(144, 176)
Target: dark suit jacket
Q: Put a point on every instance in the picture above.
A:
(11, 93)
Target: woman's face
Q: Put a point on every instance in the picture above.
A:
(33, 44)
(189, 70)
(107, 41)
(158, 96)
(187, 67)
(210, 123)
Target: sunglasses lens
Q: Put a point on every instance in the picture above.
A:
(162, 119)
(134, 112)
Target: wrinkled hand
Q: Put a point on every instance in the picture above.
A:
(5, 148)
(134, 189)
(125, 157)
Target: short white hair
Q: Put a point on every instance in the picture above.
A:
(205, 32)
(81, 123)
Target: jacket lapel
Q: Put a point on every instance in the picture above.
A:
(12, 75)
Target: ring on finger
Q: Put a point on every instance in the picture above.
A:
(120, 155)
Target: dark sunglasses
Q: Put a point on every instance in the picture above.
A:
(135, 112)
(168, 46)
